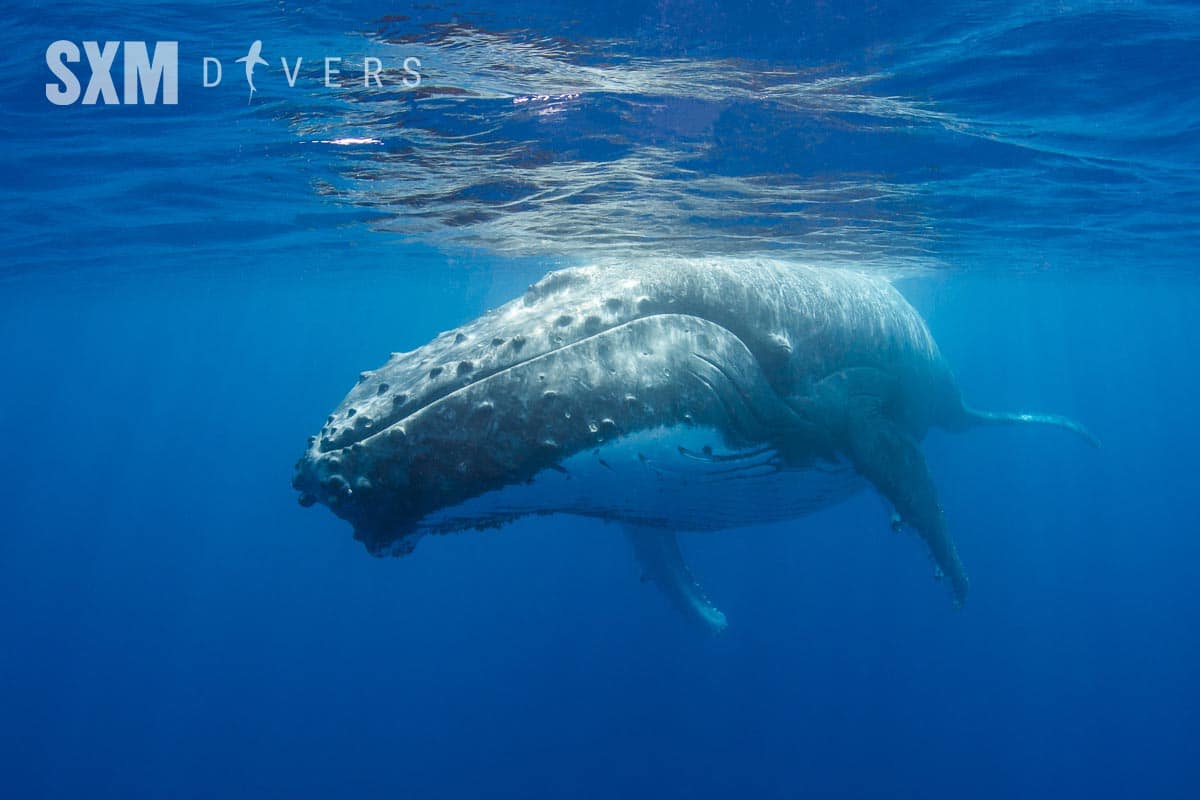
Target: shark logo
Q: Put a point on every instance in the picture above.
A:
(251, 60)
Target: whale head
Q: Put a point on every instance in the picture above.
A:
(584, 359)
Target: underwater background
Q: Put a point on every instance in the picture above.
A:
(185, 290)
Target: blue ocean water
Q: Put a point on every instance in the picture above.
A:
(186, 290)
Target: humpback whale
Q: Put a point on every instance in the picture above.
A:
(667, 396)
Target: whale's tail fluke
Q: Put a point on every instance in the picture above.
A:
(973, 417)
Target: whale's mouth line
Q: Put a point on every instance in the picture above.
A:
(385, 425)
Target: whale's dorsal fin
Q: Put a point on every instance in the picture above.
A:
(658, 554)
(852, 403)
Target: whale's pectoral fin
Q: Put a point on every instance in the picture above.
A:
(661, 561)
(891, 460)
(884, 454)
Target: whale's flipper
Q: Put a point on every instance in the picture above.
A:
(658, 554)
(852, 403)
(891, 460)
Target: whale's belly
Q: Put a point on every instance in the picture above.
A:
(681, 478)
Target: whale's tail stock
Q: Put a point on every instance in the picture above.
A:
(971, 418)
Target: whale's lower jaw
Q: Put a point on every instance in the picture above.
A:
(495, 435)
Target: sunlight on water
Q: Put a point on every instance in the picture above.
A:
(989, 136)
(526, 144)
(502, 146)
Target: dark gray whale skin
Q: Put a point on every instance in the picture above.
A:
(821, 365)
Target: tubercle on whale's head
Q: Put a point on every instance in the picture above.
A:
(350, 482)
